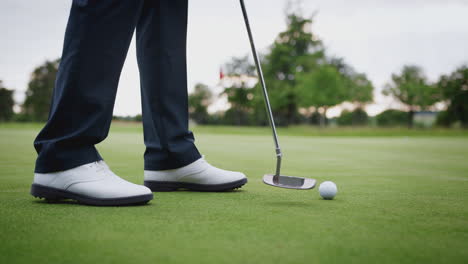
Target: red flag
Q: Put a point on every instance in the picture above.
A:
(221, 74)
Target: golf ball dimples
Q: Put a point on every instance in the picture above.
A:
(328, 190)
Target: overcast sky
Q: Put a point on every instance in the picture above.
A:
(375, 36)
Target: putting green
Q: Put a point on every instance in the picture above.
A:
(400, 200)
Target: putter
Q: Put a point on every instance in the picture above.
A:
(277, 180)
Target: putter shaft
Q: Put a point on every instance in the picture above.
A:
(279, 154)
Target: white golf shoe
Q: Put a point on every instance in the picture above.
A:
(92, 183)
(197, 176)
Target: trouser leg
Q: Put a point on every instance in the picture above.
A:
(161, 53)
(96, 42)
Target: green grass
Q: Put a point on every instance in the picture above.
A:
(401, 199)
(300, 130)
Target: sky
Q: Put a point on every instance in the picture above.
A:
(376, 37)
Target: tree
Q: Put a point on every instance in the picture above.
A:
(454, 89)
(240, 100)
(323, 88)
(239, 92)
(359, 88)
(358, 117)
(6, 103)
(392, 117)
(239, 66)
(411, 88)
(294, 51)
(199, 101)
(40, 90)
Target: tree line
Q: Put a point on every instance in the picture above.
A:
(303, 84)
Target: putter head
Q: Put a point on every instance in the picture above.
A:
(289, 182)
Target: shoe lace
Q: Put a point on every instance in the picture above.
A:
(101, 167)
(205, 162)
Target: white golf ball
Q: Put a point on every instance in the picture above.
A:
(328, 190)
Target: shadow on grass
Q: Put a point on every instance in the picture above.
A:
(180, 192)
(73, 203)
(290, 204)
(193, 191)
(308, 203)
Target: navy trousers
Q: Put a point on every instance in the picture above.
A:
(96, 42)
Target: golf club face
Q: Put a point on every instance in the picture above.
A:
(289, 182)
